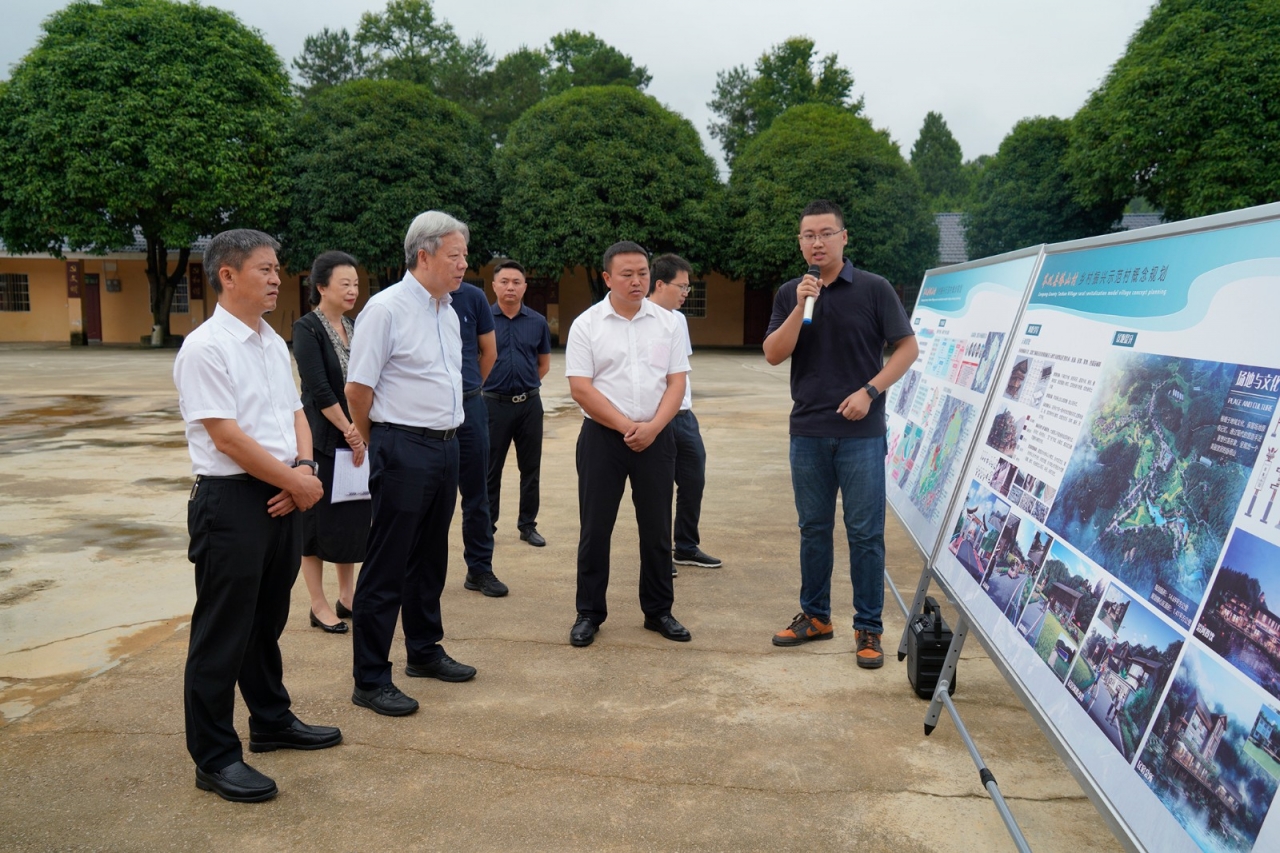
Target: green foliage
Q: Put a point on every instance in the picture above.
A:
(516, 83)
(1024, 195)
(1189, 117)
(369, 155)
(594, 165)
(406, 42)
(140, 115)
(579, 59)
(820, 151)
(327, 59)
(936, 160)
(788, 75)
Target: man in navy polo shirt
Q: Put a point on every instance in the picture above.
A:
(838, 427)
(511, 394)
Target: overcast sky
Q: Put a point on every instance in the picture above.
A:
(983, 64)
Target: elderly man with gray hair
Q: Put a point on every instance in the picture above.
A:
(404, 388)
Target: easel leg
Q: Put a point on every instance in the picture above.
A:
(917, 606)
(947, 675)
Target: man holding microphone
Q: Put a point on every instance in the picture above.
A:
(838, 427)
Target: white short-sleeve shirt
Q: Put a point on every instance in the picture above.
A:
(408, 349)
(627, 360)
(683, 322)
(227, 370)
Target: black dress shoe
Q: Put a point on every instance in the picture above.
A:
(386, 700)
(298, 736)
(487, 583)
(444, 668)
(533, 537)
(668, 627)
(238, 783)
(339, 628)
(342, 610)
(583, 632)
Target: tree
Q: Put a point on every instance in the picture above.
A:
(594, 165)
(579, 59)
(787, 75)
(140, 117)
(327, 59)
(1189, 117)
(406, 42)
(516, 83)
(1024, 195)
(369, 155)
(820, 151)
(936, 160)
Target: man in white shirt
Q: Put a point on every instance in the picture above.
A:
(670, 276)
(249, 442)
(404, 387)
(626, 364)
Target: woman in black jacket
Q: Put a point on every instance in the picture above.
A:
(321, 346)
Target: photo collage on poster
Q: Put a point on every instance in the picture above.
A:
(1120, 515)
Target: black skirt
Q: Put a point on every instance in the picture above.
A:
(336, 533)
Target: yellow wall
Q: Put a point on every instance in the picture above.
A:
(48, 319)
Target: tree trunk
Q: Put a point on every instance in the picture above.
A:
(598, 288)
(163, 284)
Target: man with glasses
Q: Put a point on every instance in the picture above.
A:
(626, 364)
(838, 380)
(670, 289)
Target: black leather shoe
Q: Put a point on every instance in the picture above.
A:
(487, 583)
(386, 700)
(298, 736)
(339, 628)
(238, 783)
(444, 668)
(342, 610)
(696, 557)
(668, 627)
(533, 537)
(583, 632)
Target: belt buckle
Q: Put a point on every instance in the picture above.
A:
(520, 398)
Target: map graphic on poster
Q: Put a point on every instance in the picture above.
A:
(1117, 538)
(962, 320)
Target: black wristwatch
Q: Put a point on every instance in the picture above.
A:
(310, 463)
(872, 391)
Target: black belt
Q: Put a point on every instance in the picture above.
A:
(201, 477)
(425, 432)
(467, 395)
(518, 398)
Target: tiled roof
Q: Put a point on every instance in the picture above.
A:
(138, 246)
(951, 246)
(1134, 221)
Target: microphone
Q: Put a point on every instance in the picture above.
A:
(809, 300)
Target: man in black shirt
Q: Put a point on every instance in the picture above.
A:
(838, 380)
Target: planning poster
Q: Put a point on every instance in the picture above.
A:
(963, 321)
(1118, 539)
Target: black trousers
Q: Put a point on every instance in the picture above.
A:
(473, 475)
(691, 480)
(413, 482)
(605, 464)
(521, 423)
(245, 565)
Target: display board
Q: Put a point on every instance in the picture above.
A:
(963, 322)
(1117, 544)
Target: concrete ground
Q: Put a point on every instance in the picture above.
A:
(635, 743)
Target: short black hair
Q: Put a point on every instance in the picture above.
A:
(821, 207)
(322, 270)
(231, 249)
(668, 266)
(508, 264)
(624, 247)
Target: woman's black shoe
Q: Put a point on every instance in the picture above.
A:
(340, 628)
(342, 610)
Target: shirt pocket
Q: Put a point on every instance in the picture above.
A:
(659, 355)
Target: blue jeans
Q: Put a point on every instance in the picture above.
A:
(855, 466)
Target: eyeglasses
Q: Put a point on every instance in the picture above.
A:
(824, 237)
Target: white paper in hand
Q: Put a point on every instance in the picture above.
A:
(349, 482)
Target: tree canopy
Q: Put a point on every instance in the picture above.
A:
(936, 159)
(820, 151)
(1189, 117)
(369, 155)
(787, 75)
(140, 116)
(1024, 195)
(594, 165)
(583, 59)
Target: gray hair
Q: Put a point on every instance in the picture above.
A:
(231, 249)
(426, 232)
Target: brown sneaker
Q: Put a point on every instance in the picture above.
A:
(869, 654)
(803, 629)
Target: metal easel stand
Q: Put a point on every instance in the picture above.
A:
(941, 697)
(917, 603)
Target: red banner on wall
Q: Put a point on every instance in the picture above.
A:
(74, 279)
(195, 282)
